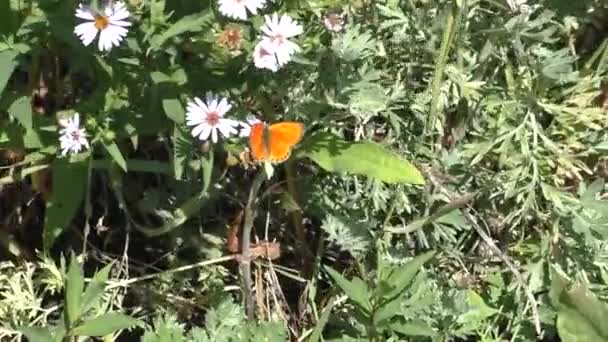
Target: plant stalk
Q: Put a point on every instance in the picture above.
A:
(245, 260)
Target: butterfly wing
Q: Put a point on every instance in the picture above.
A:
(257, 142)
(283, 136)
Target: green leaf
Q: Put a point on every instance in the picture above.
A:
(21, 109)
(603, 146)
(7, 66)
(74, 284)
(388, 310)
(414, 328)
(356, 289)
(189, 23)
(478, 309)
(69, 182)
(573, 327)
(115, 153)
(318, 331)
(362, 158)
(580, 314)
(95, 288)
(174, 110)
(105, 324)
(37, 334)
(401, 278)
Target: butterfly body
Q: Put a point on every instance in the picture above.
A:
(273, 143)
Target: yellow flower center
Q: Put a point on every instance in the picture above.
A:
(101, 22)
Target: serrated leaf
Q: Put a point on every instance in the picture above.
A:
(361, 158)
(105, 324)
(356, 289)
(182, 152)
(74, 284)
(116, 155)
(69, 184)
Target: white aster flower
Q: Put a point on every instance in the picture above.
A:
(72, 138)
(208, 117)
(277, 31)
(264, 56)
(237, 9)
(245, 126)
(110, 24)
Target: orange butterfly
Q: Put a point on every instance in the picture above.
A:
(274, 143)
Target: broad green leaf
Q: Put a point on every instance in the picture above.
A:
(580, 314)
(413, 328)
(7, 66)
(115, 153)
(401, 278)
(37, 334)
(95, 288)
(362, 158)
(478, 309)
(356, 289)
(105, 324)
(573, 327)
(69, 184)
(174, 110)
(74, 284)
(603, 146)
(21, 109)
(388, 310)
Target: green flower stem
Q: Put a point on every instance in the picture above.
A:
(440, 64)
(245, 262)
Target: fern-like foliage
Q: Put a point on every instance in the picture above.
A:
(349, 235)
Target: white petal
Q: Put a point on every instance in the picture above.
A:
(86, 32)
(214, 134)
(225, 129)
(84, 13)
(205, 133)
(120, 12)
(198, 129)
(120, 23)
(223, 107)
(202, 105)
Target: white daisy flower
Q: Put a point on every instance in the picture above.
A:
(264, 56)
(73, 138)
(110, 24)
(245, 126)
(237, 9)
(208, 117)
(277, 31)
